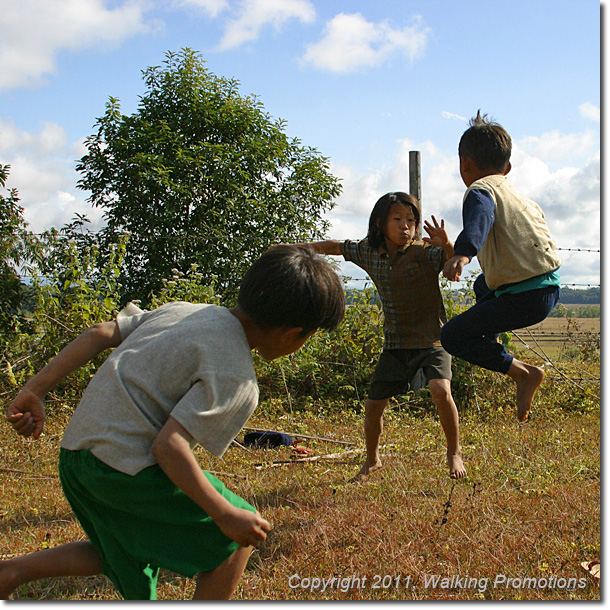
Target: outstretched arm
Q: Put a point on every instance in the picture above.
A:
(327, 246)
(478, 216)
(26, 412)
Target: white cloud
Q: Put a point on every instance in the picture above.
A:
(351, 42)
(42, 171)
(34, 32)
(454, 117)
(554, 145)
(442, 189)
(360, 191)
(590, 111)
(253, 15)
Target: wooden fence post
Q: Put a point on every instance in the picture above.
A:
(419, 380)
(415, 176)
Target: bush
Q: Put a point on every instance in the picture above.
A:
(331, 372)
(63, 301)
(331, 368)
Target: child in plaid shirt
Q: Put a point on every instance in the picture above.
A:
(405, 270)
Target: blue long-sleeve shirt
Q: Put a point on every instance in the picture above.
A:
(478, 215)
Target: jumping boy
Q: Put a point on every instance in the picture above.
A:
(181, 374)
(508, 234)
(405, 271)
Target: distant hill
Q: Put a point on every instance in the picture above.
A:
(589, 296)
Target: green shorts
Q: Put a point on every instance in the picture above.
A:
(141, 523)
(397, 368)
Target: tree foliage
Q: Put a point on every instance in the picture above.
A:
(200, 175)
(588, 296)
(12, 231)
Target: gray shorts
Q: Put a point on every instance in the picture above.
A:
(397, 368)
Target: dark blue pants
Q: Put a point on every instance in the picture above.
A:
(471, 335)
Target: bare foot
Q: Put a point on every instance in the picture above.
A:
(528, 380)
(366, 470)
(456, 466)
(7, 585)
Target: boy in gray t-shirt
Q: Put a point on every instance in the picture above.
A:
(180, 375)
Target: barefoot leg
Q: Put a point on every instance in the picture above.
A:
(440, 390)
(72, 559)
(373, 427)
(528, 379)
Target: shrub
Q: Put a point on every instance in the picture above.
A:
(64, 300)
(333, 368)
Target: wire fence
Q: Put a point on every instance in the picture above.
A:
(26, 276)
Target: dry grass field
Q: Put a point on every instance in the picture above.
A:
(558, 336)
(517, 528)
(561, 325)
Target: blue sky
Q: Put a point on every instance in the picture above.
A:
(362, 81)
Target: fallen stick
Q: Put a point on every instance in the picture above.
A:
(236, 442)
(311, 458)
(226, 474)
(30, 475)
(316, 438)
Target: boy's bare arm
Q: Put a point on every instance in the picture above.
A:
(172, 451)
(26, 412)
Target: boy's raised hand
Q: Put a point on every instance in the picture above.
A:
(437, 233)
(26, 414)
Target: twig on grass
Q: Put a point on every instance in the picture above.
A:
(447, 506)
(286, 387)
(236, 442)
(226, 474)
(29, 474)
(37, 523)
(312, 458)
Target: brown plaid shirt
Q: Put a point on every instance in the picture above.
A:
(408, 286)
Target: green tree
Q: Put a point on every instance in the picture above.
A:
(12, 231)
(200, 175)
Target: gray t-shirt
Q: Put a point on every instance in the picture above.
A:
(186, 360)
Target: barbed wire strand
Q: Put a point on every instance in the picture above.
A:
(566, 335)
(550, 362)
(361, 279)
(95, 234)
(577, 250)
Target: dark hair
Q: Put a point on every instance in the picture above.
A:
(292, 286)
(380, 212)
(487, 143)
